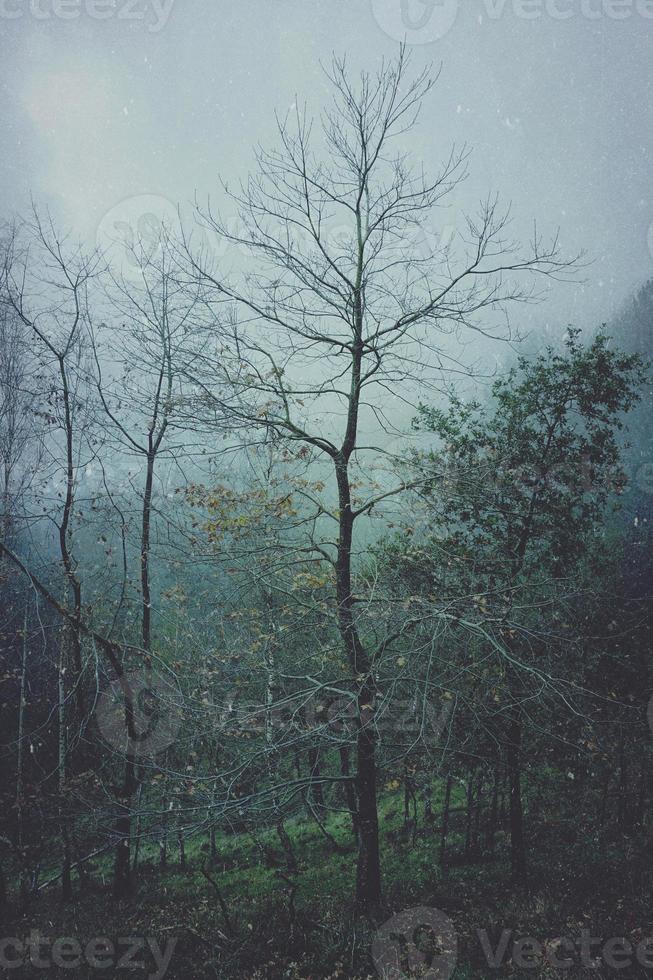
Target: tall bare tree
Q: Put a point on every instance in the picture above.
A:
(142, 355)
(45, 281)
(19, 429)
(343, 311)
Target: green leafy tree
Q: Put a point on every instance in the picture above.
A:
(527, 479)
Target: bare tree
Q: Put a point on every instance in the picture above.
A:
(142, 363)
(44, 285)
(45, 282)
(19, 430)
(344, 312)
(143, 358)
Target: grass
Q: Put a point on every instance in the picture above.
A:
(577, 880)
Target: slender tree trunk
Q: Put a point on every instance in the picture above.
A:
(478, 806)
(368, 872)
(66, 881)
(163, 829)
(428, 800)
(137, 834)
(348, 786)
(286, 844)
(146, 610)
(122, 877)
(641, 802)
(409, 796)
(494, 808)
(469, 813)
(270, 694)
(368, 877)
(604, 799)
(502, 798)
(314, 768)
(20, 754)
(444, 830)
(517, 846)
(623, 784)
(67, 558)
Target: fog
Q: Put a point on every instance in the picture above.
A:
(106, 102)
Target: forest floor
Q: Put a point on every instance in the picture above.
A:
(299, 926)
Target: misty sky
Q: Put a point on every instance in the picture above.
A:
(107, 100)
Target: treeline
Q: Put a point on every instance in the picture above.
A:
(259, 557)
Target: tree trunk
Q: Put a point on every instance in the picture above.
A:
(20, 755)
(641, 802)
(122, 876)
(348, 786)
(137, 833)
(66, 881)
(67, 558)
(469, 813)
(286, 844)
(428, 800)
(623, 785)
(146, 611)
(409, 797)
(517, 847)
(314, 769)
(478, 806)
(604, 799)
(494, 812)
(270, 694)
(368, 875)
(368, 872)
(444, 830)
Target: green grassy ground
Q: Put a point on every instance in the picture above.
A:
(577, 880)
